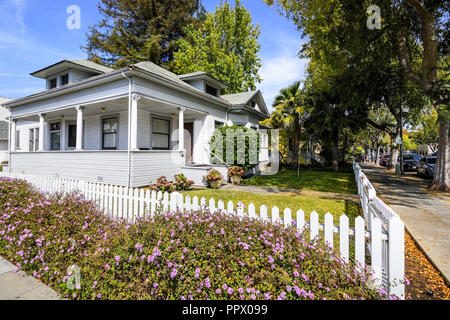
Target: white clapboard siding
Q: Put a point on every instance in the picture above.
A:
(382, 232)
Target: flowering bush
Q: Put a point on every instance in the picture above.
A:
(175, 255)
(213, 175)
(182, 183)
(163, 185)
(235, 171)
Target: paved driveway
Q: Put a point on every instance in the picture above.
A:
(425, 216)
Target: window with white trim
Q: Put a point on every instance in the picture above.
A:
(160, 134)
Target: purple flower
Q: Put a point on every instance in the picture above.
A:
(174, 273)
(230, 290)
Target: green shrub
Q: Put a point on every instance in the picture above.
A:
(175, 255)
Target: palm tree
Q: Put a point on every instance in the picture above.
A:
(289, 115)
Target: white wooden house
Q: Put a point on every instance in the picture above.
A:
(123, 127)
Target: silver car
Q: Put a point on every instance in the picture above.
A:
(426, 167)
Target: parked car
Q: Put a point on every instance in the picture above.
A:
(410, 162)
(385, 160)
(426, 167)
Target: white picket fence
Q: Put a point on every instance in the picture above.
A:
(384, 237)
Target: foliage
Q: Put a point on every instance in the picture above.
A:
(175, 255)
(290, 115)
(163, 185)
(235, 171)
(225, 46)
(242, 143)
(182, 183)
(213, 175)
(134, 31)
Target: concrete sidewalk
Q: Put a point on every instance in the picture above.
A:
(426, 217)
(19, 286)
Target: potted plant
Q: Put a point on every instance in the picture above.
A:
(235, 174)
(214, 179)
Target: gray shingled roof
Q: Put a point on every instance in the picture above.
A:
(92, 65)
(239, 98)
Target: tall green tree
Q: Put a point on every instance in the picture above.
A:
(225, 45)
(290, 115)
(139, 30)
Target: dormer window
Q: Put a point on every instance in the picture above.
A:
(253, 104)
(212, 91)
(64, 79)
(53, 83)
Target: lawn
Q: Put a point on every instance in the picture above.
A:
(294, 202)
(309, 179)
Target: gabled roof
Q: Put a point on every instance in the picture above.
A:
(243, 98)
(201, 75)
(83, 65)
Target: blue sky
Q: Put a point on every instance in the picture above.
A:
(33, 35)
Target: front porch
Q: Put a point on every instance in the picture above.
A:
(100, 142)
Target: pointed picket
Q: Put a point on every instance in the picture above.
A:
(188, 203)
(221, 205)
(314, 225)
(173, 201)
(180, 202)
(329, 230)
(165, 202)
(275, 215)
(251, 210)
(230, 207)
(195, 205)
(147, 203)
(376, 253)
(287, 218)
(212, 205)
(300, 220)
(359, 241)
(343, 237)
(203, 203)
(263, 213)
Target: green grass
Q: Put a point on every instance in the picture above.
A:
(309, 179)
(307, 204)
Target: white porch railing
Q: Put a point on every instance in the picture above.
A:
(384, 236)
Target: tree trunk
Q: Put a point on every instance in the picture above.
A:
(377, 160)
(334, 152)
(296, 146)
(441, 181)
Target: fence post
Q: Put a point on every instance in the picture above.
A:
(396, 261)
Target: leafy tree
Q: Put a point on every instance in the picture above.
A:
(225, 46)
(290, 115)
(413, 34)
(139, 30)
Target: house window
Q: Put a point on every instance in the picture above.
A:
(212, 91)
(218, 124)
(55, 136)
(160, 134)
(72, 140)
(64, 79)
(110, 130)
(34, 140)
(18, 139)
(53, 83)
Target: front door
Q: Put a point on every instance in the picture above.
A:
(189, 140)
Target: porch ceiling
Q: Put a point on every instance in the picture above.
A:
(117, 105)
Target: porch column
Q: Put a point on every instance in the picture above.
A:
(181, 129)
(62, 138)
(41, 131)
(79, 144)
(13, 135)
(134, 122)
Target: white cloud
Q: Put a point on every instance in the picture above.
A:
(20, 13)
(281, 65)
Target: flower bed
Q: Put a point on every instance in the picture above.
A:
(189, 255)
